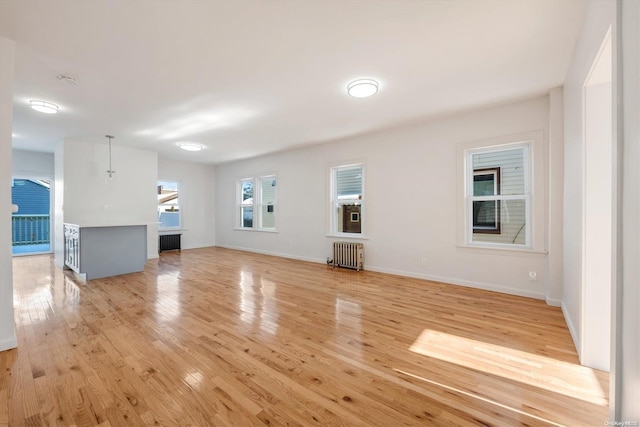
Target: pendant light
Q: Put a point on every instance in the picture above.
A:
(111, 174)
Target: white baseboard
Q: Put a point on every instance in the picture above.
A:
(8, 344)
(281, 255)
(447, 280)
(461, 282)
(554, 302)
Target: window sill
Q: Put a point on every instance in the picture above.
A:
(170, 230)
(499, 250)
(259, 230)
(347, 236)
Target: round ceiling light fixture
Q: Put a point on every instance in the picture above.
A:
(190, 146)
(43, 106)
(362, 88)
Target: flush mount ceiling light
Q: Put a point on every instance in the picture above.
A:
(43, 106)
(190, 146)
(362, 88)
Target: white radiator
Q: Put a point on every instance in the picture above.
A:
(348, 255)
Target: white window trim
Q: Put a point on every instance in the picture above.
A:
(534, 182)
(256, 204)
(332, 168)
(180, 227)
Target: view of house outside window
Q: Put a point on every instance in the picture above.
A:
(347, 199)
(499, 195)
(168, 205)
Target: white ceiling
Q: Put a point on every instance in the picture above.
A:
(246, 78)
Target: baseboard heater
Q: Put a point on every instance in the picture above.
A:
(169, 242)
(347, 255)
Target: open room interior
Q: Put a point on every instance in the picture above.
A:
(194, 176)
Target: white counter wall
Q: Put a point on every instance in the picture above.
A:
(87, 199)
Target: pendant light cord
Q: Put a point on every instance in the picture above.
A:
(110, 171)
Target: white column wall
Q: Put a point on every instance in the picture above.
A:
(7, 330)
(625, 376)
(600, 17)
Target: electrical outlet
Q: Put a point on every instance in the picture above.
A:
(533, 276)
(423, 261)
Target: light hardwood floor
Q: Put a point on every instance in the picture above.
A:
(220, 337)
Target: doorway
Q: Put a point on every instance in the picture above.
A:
(31, 216)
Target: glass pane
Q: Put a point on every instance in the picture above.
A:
(268, 189)
(349, 183)
(247, 216)
(268, 216)
(484, 184)
(511, 165)
(511, 226)
(247, 192)
(486, 215)
(168, 204)
(349, 219)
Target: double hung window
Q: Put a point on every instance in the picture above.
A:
(498, 195)
(257, 203)
(347, 199)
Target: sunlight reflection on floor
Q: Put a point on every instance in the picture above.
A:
(565, 378)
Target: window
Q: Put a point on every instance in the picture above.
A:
(169, 205)
(257, 203)
(267, 202)
(498, 199)
(347, 199)
(246, 203)
(486, 213)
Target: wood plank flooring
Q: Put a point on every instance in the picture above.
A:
(219, 337)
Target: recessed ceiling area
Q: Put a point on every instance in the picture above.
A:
(248, 78)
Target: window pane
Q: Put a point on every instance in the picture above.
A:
(511, 219)
(247, 216)
(268, 188)
(247, 192)
(486, 215)
(268, 200)
(168, 204)
(348, 218)
(484, 184)
(349, 183)
(268, 216)
(511, 166)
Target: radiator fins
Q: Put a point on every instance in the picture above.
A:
(169, 242)
(347, 255)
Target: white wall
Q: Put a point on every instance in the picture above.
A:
(597, 240)
(600, 17)
(129, 199)
(554, 184)
(197, 195)
(58, 205)
(7, 332)
(625, 378)
(410, 196)
(33, 163)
